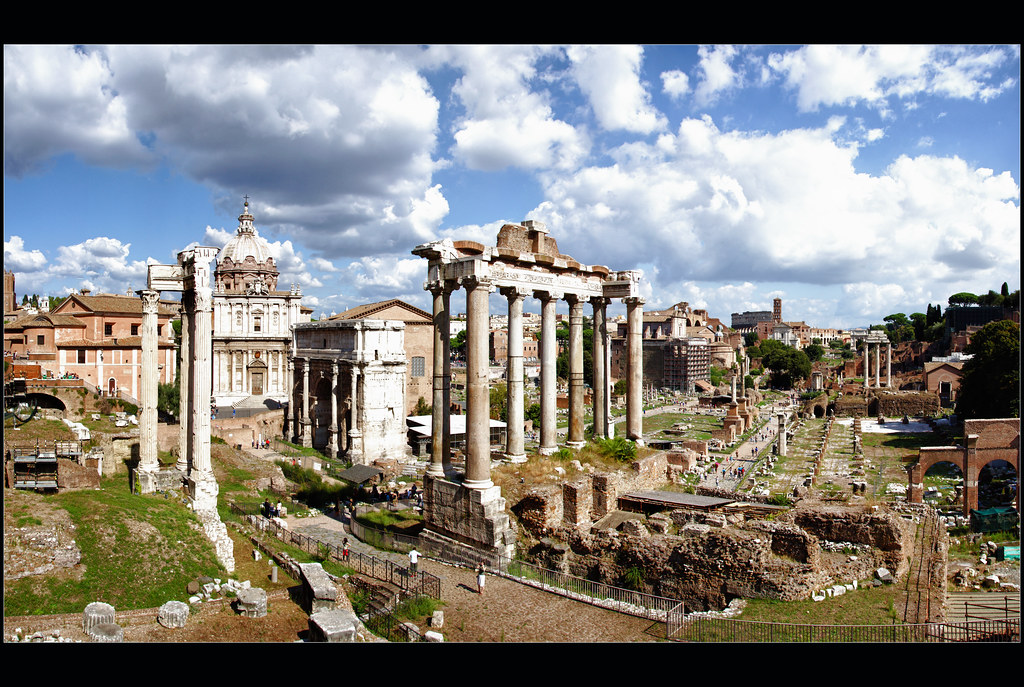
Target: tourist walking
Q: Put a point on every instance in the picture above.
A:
(480, 579)
(414, 557)
(344, 549)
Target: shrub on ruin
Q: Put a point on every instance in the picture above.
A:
(618, 448)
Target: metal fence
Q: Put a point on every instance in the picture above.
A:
(419, 582)
(704, 629)
(618, 599)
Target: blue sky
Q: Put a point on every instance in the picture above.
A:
(852, 181)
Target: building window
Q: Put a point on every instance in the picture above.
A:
(255, 324)
(418, 366)
(81, 356)
(40, 339)
(108, 330)
(135, 330)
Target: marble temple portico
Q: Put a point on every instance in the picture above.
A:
(876, 338)
(525, 262)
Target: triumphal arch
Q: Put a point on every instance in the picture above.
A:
(525, 263)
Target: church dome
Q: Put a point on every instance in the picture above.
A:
(246, 258)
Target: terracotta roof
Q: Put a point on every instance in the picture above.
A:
(362, 312)
(109, 303)
(119, 342)
(44, 320)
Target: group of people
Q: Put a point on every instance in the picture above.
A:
(269, 510)
(264, 444)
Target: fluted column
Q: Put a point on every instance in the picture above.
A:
(548, 372)
(355, 435)
(332, 429)
(575, 439)
(478, 402)
(635, 374)
(515, 444)
(440, 420)
(600, 381)
(148, 396)
(782, 434)
(289, 424)
(306, 436)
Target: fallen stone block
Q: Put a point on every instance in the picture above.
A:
(432, 636)
(95, 614)
(173, 614)
(336, 626)
(252, 603)
(437, 619)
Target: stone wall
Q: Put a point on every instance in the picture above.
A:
(71, 475)
(471, 516)
(705, 567)
(900, 403)
(245, 430)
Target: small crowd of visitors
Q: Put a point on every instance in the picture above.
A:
(269, 510)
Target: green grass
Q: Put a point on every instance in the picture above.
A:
(137, 552)
(863, 606)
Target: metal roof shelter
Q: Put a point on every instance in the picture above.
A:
(651, 500)
(359, 474)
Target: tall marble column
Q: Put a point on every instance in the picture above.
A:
(515, 445)
(478, 402)
(148, 396)
(782, 434)
(306, 436)
(202, 381)
(600, 380)
(548, 372)
(576, 438)
(184, 462)
(439, 426)
(635, 372)
(332, 429)
(289, 409)
(888, 365)
(867, 364)
(878, 360)
(355, 434)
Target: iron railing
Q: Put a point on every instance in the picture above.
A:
(705, 629)
(419, 582)
(618, 599)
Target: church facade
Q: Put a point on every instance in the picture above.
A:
(252, 320)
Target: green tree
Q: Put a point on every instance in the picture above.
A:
(620, 387)
(787, 365)
(458, 344)
(814, 352)
(533, 413)
(750, 339)
(920, 322)
(422, 407)
(963, 298)
(990, 385)
(499, 402)
(168, 398)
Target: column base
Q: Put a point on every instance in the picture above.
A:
(435, 470)
(547, 450)
(479, 484)
(516, 458)
(575, 445)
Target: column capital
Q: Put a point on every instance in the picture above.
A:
(440, 286)
(599, 301)
(515, 292)
(574, 299)
(475, 281)
(548, 295)
(634, 300)
(150, 301)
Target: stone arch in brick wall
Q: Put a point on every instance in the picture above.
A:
(985, 441)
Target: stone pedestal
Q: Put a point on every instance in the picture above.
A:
(318, 590)
(471, 516)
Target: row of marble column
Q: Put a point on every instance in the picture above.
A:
(478, 442)
(877, 360)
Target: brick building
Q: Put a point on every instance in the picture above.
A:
(96, 338)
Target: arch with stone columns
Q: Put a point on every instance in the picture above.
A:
(524, 263)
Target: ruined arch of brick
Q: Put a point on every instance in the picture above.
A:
(986, 441)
